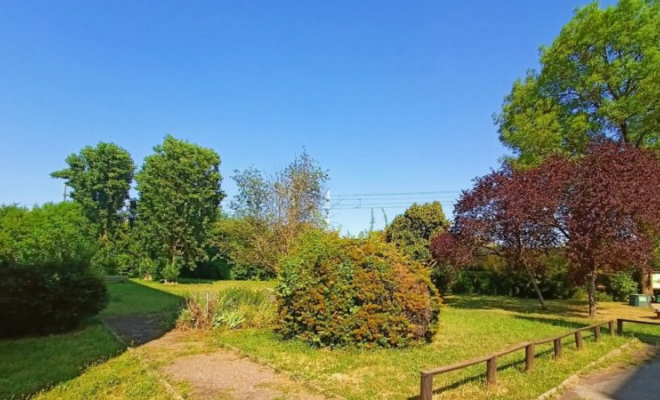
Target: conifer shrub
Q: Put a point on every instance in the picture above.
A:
(354, 292)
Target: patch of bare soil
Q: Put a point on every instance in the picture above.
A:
(225, 374)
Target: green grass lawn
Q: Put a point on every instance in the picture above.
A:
(119, 378)
(140, 296)
(470, 327)
(89, 363)
(28, 365)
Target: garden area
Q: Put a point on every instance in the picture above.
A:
(144, 283)
(91, 362)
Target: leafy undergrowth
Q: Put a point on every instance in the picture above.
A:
(469, 329)
(28, 365)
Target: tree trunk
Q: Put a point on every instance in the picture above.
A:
(591, 290)
(538, 291)
(645, 283)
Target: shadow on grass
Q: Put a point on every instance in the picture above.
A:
(569, 325)
(566, 308)
(136, 313)
(29, 365)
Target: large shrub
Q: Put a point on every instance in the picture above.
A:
(47, 298)
(622, 285)
(51, 233)
(335, 292)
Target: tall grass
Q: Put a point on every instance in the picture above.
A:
(231, 308)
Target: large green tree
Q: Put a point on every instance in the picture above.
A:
(101, 178)
(179, 201)
(599, 78)
(413, 230)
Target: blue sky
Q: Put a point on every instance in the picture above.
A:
(389, 96)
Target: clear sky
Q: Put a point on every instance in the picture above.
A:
(389, 96)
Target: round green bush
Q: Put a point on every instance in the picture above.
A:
(622, 285)
(47, 298)
(335, 292)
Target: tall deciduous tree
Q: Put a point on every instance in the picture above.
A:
(413, 230)
(609, 210)
(269, 214)
(101, 178)
(508, 213)
(600, 78)
(602, 208)
(179, 202)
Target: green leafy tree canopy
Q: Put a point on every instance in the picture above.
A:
(413, 230)
(179, 202)
(100, 177)
(600, 78)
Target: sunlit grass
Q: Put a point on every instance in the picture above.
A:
(123, 377)
(470, 327)
(28, 365)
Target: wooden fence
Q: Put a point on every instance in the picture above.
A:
(426, 383)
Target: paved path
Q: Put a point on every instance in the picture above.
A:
(209, 373)
(640, 382)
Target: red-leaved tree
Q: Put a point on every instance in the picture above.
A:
(507, 213)
(602, 209)
(609, 210)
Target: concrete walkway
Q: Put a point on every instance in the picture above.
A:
(640, 382)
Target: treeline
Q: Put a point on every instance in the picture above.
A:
(174, 224)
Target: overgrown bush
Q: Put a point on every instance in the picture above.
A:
(336, 292)
(621, 286)
(231, 308)
(47, 298)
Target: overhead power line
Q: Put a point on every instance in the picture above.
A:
(396, 194)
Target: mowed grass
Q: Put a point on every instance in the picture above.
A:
(88, 363)
(123, 377)
(31, 364)
(140, 296)
(470, 327)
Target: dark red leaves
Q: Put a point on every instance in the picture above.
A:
(603, 209)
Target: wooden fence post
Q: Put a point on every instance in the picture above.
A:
(426, 387)
(597, 333)
(491, 371)
(578, 340)
(529, 357)
(612, 331)
(619, 326)
(557, 347)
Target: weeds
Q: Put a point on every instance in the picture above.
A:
(232, 308)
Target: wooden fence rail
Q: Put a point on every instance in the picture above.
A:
(426, 382)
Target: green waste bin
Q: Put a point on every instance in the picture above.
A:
(657, 298)
(640, 300)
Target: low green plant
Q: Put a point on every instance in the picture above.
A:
(231, 308)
